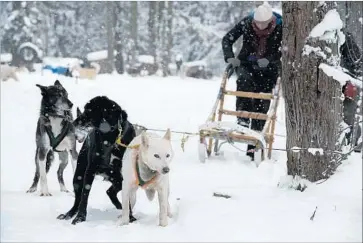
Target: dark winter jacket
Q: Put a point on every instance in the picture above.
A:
(244, 28)
(351, 55)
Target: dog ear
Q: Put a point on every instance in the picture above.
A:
(79, 113)
(144, 139)
(58, 84)
(167, 135)
(42, 88)
(124, 115)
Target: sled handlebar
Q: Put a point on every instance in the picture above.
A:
(229, 70)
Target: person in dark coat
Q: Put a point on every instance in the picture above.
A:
(258, 64)
(352, 61)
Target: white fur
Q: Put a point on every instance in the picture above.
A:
(150, 144)
(7, 72)
(64, 145)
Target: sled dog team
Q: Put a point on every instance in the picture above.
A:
(111, 148)
(129, 159)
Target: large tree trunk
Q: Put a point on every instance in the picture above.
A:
(163, 38)
(119, 60)
(152, 28)
(169, 31)
(312, 101)
(133, 31)
(110, 37)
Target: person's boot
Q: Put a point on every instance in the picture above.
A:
(357, 148)
(251, 154)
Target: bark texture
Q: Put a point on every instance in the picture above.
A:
(312, 101)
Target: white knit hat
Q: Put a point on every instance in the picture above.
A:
(263, 13)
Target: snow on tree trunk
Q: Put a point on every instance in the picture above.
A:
(312, 98)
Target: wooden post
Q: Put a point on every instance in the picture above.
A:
(221, 100)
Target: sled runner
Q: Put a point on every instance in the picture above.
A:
(216, 130)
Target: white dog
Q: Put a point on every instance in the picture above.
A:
(7, 72)
(147, 166)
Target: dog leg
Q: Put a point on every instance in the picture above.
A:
(43, 153)
(63, 157)
(88, 180)
(74, 155)
(33, 187)
(112, 194)
(163, 206)
(50, 159)
(78, 184)
(170, 215)
(125, 218)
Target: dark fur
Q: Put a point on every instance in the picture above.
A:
(95, 155)
(53, 97)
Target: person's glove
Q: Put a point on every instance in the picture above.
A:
(262, 63)
(252, 58)
(234, 61)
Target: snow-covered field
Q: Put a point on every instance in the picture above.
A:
(257, 211)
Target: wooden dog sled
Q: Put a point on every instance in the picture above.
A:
(214, 131)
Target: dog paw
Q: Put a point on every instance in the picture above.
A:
(64, 216)
(45, 194)
(122, 221)
(79, 219)
(163, 223)
(31, 190)
(64, 190)
(132, 219)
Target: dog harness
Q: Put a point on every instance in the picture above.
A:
(55, 141)
(138, 180)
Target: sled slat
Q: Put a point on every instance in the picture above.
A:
(245, 114)
(263, 96)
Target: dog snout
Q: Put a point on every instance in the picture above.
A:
(165, 170)
(70, 104)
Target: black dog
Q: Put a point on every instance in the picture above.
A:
(99, 155)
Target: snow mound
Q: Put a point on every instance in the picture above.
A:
(6, 57)
(98, 55)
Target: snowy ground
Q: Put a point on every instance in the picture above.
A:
(257, 211)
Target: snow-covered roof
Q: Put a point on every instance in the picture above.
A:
(6, 57)
(145, 59)
(33, 46)
(63, 62)
(98, 55)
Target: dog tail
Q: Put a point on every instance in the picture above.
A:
(96, 66)
(150, 193)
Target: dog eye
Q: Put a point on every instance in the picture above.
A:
(168, 155)
(157, 156)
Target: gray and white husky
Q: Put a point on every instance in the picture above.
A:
(55, 133)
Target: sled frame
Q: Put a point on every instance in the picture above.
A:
(215, 129)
